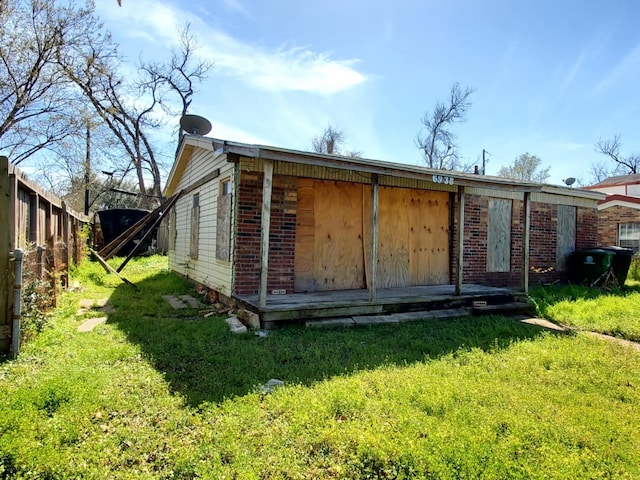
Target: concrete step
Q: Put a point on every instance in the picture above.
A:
(353, 321)
(507, 309)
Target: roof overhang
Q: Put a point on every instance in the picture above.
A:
(235, 150)
(619, 201)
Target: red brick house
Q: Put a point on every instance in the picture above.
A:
(619, 212)
(364, 236)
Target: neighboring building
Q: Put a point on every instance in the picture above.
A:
(344, 226)
(619, 212)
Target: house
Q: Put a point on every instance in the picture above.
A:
(357, 236)
(619, 212)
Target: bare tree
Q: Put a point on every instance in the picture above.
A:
(331, 142)
(526, 167)
(95, 70)
(438, 142)
(179, 74)
(619, 165)
(37, 103)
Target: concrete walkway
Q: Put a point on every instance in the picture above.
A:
(86, 305)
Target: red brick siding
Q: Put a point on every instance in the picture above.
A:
(586, 228)
(610, 218)
(542, 251)
(281, 237)
(542, 242)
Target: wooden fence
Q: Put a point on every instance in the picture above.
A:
(42, 226)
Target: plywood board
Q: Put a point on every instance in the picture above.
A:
(428, 236)
(413, 237)
(393, 238)
(305, 234)
(338, 236)
(499, 235)
(223, 227)
(566, 228)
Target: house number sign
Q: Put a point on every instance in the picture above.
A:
(443, 179)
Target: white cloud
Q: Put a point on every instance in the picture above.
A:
(296, 69)
(273, 70)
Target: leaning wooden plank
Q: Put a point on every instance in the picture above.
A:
(110, 269)
(125, 237)
(150, 230)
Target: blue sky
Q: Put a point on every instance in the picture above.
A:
(551, 77)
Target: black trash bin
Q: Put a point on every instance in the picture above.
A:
(589, 265)
(620, 262)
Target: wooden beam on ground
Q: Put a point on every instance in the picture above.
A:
(373, 279)
(525, 248)
(125, 237)
(267, 186)
(169, 204)
(110, 269)
(460, 231)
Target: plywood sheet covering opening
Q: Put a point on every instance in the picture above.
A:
(305, 228)
(499, 235)
(338, 236)
(428, 237)
(413, 237)
(566, 235)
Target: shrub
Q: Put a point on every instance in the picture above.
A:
(634, 268)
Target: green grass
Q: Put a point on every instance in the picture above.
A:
(615, 312)
(156, 393)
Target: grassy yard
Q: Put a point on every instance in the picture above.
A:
(158, 393)
(615, 312)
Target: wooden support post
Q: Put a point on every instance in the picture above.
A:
(267, 186)
(6, 236)
(65, 242)
(525, 248)
(460, 231)
(373, 279)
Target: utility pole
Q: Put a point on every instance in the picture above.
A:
(484, 152)
(87, 170)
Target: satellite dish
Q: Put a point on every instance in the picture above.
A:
(195, 124)
(569, 181)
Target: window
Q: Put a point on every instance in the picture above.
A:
(195, 226)
(629, 236)
(499, 235)
(223, 225)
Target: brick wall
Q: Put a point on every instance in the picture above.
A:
(542, 242)
(610, 218)
(542, 251)
(281, 237)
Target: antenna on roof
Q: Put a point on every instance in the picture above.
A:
(195, 124)
(569, 181)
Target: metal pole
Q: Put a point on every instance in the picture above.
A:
(17, 294)
(483, 161)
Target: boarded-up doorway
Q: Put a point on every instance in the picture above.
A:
(413, 237)
(333, 236)
(329, 247)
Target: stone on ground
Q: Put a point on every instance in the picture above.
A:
(90, 324)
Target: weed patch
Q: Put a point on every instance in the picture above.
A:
(615, 312)
(148, 395)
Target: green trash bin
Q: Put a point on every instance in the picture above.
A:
(590, 265)
(620, 262)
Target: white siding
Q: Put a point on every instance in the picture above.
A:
(633, 190)
(206, 269)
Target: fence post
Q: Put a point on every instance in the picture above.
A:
(6, 236)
